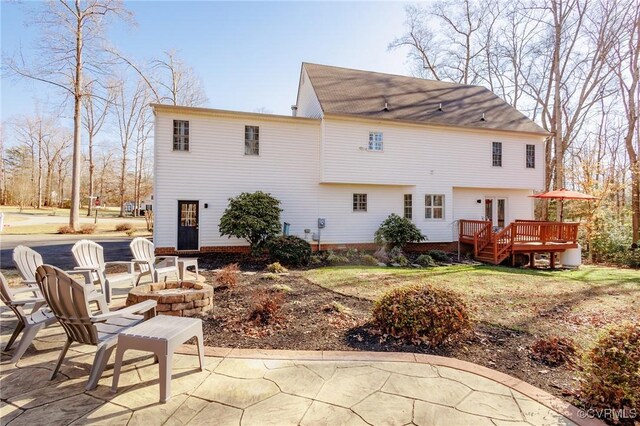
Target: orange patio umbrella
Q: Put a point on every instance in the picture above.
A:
(564, 194)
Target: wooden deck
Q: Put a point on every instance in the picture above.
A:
(521, 236)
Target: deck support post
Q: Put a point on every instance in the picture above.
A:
(552, 260)
(532, 260)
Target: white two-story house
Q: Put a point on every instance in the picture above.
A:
(358, 146)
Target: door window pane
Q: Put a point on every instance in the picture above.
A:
(188, 215)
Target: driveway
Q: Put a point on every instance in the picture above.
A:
(56, 249)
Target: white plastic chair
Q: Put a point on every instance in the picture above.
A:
(27, 261)
(68, 301)
(157, 266)
(89, 257)
(29, 324)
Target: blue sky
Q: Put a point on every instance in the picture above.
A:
(248, 54)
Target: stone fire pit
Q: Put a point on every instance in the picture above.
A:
(183, 299)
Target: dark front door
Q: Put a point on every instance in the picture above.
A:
(187, 225)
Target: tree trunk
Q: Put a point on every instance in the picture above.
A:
(91, 169)
(74, 214)
(123, 174)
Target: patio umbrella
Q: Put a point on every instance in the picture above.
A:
(564, 194)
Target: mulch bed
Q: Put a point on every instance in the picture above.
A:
(314, 318)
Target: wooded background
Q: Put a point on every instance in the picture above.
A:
(570, 65)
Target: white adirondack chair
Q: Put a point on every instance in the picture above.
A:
(27, 261)
(89, 257)
(29, 324)
(157, 266)
(69, 304)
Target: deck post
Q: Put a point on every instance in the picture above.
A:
(532, 260)
(552, 260)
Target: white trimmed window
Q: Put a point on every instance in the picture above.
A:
(251, 140)
(434, 206)
(496, 154)
(180, 135)
(408, 206)
(531, 156)
(359, 202)
(375, 141)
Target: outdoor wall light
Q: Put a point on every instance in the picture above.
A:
(479, 201)
(206, 205)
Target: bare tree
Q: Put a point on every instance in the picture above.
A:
(70, 47)
(626, 67)
(96, 110)
(169, 79)
(129, 108)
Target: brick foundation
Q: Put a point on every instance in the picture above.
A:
(175, 298)
(451, 247)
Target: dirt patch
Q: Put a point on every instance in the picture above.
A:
(314, 318)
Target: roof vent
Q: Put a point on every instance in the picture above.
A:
(483, 119)
(386, 107)
(440, 106)
(294, 110)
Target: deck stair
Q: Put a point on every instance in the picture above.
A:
(522, 236)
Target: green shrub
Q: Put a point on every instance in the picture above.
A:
(316, 260)
(421, 313)
(66, 230)
(270, 276)
(397, 231)
(368, 260)
(290, 250)
(397, 256)
(276, 268)
(122, 227)
(352, 254)
(88, 228)
(438, 255)
(553, 351)
(611, 373)
(252, 216)
(336, 260)
(425, 260)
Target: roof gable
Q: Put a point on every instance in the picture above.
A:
(364, 94)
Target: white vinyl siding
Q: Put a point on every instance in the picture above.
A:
(315, 167)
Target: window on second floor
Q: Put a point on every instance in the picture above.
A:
(251, 140)
(375, 141)
(434, 206)
(180, 135)
(531, 156)
(408, 206)
(359, 202)
(496, 154)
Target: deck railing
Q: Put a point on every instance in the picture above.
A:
(469, 228)
(480, 233)
(545, 232)
(503, 243)
(482, 238)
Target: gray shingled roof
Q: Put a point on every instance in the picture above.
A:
(343, 91)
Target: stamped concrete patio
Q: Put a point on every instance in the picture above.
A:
(268, 387)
